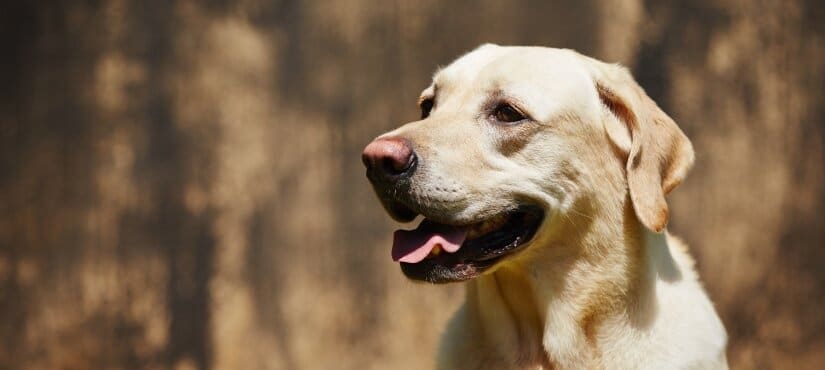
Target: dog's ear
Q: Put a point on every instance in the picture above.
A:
(660, 154)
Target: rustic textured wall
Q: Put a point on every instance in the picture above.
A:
(180, 183)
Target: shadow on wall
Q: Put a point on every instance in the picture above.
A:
(180, 184)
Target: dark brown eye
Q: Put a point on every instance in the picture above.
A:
(507, 113)
(426, 107)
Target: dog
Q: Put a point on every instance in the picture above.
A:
(541, 176)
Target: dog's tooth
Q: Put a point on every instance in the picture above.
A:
(489, 225)
(473, 233)
(436, 250)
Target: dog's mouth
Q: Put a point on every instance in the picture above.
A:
(441, 253)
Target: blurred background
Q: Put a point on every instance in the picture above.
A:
(181, 185)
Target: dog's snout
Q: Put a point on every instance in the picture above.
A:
(389, 158)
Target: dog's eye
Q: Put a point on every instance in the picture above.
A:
(426, 107)
(507, 113)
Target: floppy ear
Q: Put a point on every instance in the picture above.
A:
(660, 154)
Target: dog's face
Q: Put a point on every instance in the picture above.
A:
(510, 139)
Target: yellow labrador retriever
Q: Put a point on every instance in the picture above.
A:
(541, 176)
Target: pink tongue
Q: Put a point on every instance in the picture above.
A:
(412, 246)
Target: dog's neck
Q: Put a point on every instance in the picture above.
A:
(589, 270)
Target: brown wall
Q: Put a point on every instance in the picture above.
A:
(180, 182)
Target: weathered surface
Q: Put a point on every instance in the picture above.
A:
(180, 184)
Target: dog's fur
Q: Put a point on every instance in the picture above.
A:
(602, 285)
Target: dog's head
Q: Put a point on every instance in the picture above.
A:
(509, 140)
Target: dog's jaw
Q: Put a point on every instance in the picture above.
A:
(441, 253)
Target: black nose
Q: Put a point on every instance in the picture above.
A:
(389, 159)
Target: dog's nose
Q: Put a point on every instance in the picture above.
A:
(389, 158)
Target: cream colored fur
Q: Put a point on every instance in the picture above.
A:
(602, 285)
